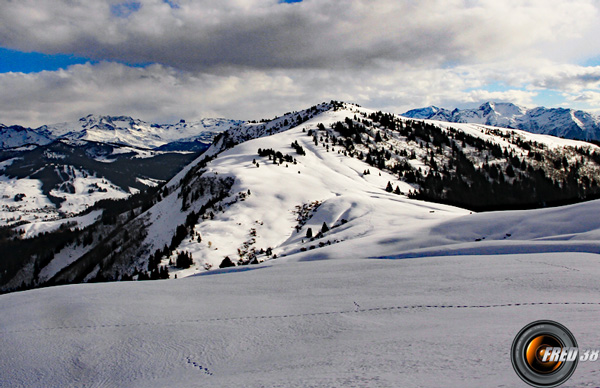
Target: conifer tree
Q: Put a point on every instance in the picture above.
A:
(226, 263)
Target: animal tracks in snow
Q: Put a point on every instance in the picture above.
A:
(286, 316)
(194, 364)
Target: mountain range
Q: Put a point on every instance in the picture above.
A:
(57, 171)
(560, 122)
(120, 130)
(332, 178)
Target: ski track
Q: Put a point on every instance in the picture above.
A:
(286, 316)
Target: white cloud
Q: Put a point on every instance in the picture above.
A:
(586, 100)
(161, 94)
(570, 78)
(312, 34)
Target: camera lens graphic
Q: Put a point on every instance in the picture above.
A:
(530, 347)
(536, 349)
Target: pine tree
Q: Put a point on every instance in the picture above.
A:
(164, 272)
(389, 187)
(226, 263)
(184, 260)
(324, 228)
(309, 233)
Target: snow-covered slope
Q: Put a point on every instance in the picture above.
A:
(561, 122)
(54, 171)
(310, 180)
(298, 322)
(240, 203)
(61, 179)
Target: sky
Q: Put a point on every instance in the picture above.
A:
(164, 60)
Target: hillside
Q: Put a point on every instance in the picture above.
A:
(351, 175)
(17, 136)
(559, 122)
(58, 171)
(60, 180)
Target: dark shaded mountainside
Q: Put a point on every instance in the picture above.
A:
(55, 166)
(477, 168)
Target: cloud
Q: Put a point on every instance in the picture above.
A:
(264, 34)
(570, 78)
(162, 94)
(255, 59)
(154, 93)
(587, 96)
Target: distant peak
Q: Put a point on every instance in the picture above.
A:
(94, 117)
(498, 105)
(561, 122)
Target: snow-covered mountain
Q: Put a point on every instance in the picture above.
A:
(17, 136)
(311, 217)
(561, 122)
(121, 130)
(332, 174)
(57, 171)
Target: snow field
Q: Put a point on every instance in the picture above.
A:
(439, 321)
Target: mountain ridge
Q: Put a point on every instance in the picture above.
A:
(560, 122)
(121, 130)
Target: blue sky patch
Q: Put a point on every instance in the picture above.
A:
(22, 62)
(495, 87)
(33, 62)
(592, 62)
(548, 98)
(123, 10)
(172, 3)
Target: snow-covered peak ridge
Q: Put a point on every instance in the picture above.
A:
(338, 173)
(128, 131)
(561, 122)
(427, 112)
(253, 130)
(125, 130)
(502, 108)
(17, 136)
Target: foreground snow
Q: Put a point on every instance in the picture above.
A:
(429, 322)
